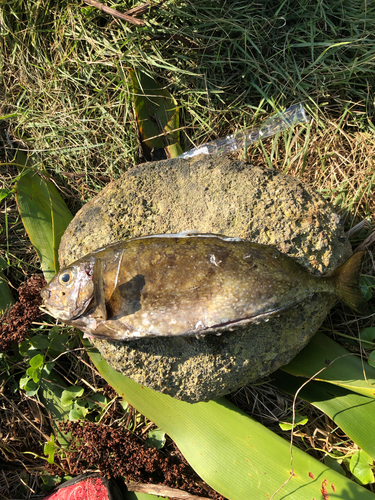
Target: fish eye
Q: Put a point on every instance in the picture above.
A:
(65, 278)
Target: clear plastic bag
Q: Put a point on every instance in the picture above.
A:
(281, 121)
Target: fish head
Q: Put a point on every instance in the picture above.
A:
(71, 292)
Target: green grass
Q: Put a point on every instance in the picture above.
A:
(64, 71)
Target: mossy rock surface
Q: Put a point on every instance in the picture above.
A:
(225, 196)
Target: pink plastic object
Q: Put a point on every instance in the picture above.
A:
(87, 487)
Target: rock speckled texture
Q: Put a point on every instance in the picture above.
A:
(225, 196)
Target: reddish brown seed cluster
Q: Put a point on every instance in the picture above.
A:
(118, 452)
(15, 323)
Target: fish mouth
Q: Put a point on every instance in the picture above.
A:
(61, 313)
(45, 294)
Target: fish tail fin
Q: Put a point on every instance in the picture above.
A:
(346, 279)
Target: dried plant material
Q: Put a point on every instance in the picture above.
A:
(368, 242)
(118, 452)
(15, 324)
(338, 164)
(163, 491)
(114, 12)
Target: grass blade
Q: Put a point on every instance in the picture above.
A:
(235, 455)
(348, 371)
(345, 408)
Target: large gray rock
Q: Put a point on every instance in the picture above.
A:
(218, 195)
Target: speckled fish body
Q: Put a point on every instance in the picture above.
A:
(180, 284)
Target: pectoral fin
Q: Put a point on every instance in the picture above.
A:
(100, 309)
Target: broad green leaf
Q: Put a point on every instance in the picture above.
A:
(234, 454)
(368, 334)
(174, 150)
(4, 193)
(34, 373)
(156, 438)
(45, 217)
(23, 381)
(124, 405)
(31, 388)
(100, 398)
(354, 413)
(3, 264)
(347, 371)
(58, 341)
(40, 341)
(361, 467)
(49, 481)
(78, 412)
(49, 449)
(24, 347)
(50, 391)
(287, 425)
(367, 283)
(157, 116)
(37, 361)
(69, 395)
(371, 359)
(54, 332)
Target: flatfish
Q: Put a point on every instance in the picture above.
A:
(187, 284)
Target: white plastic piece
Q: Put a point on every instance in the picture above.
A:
(282, 121)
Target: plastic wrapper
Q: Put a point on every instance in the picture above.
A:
(240, 140)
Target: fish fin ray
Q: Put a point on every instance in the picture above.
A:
(346, 278)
